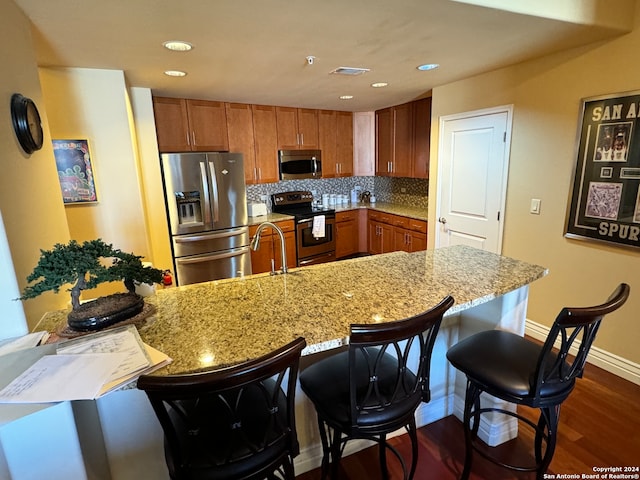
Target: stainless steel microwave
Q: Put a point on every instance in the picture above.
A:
(297, 164)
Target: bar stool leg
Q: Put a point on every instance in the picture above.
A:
(549, 418)
(382, 453)
(471, 410)
(414, 447)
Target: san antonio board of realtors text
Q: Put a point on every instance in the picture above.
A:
(605, 199)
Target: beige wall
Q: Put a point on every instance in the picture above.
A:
(93, 104)
(151, 177)
(30, 199)
(546, 94)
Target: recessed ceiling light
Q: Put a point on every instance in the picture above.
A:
(346, 97)
(175, 73)
(428, 66)
(177, 46)
(379, 84)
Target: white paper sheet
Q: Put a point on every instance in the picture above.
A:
(20, 343)
(158, 360)
(56, 378)
(122, 340)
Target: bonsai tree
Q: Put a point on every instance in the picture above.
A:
(83, 266)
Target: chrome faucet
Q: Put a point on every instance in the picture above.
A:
(255, 243)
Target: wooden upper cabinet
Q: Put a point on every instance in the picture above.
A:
(240, 128)
(344, 143)
(265, 136)
(335, 133)
(172, 124)
(208, 122)
(421, 137)
(403, 139)
(384, 141)
(256, 131)
(190, 125)
(297, 128)
(327, 128)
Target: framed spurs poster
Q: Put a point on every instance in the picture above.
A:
(604, 203)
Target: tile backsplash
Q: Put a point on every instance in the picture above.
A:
(402, 191)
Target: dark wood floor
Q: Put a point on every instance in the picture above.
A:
(599, 427)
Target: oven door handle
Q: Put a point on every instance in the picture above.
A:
(307, 220)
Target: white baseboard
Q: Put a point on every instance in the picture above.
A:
(600, 358)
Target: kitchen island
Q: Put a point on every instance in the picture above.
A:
(209, 325)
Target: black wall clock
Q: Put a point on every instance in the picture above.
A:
(26, 123)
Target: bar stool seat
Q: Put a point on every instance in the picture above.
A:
(374, 387)
(234, 423)
(522, 372)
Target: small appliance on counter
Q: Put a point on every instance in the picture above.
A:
(257, 209)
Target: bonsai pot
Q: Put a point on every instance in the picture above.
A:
(105, 311)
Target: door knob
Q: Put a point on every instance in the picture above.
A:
(442, 220)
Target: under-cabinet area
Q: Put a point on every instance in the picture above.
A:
(361, 230)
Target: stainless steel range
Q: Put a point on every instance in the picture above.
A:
(315, 227)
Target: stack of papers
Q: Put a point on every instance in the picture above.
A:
(31, 340)
(85, 368)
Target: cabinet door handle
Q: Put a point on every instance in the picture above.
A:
(302, 139)
(188, 139)
(193, 136)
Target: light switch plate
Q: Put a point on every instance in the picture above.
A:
(535, 206)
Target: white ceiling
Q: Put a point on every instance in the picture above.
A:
(254, 51)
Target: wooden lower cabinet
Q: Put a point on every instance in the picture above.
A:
(390, 233)
(408, 240)
(347, 227)
(270, 247)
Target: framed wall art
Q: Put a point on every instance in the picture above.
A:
(604, 204)
(75, 172)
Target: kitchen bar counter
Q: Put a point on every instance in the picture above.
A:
(208, 325)
(204, 326)
(220, 323)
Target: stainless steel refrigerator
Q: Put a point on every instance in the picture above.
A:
(206, 203)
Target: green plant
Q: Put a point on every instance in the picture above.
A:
(83, 266)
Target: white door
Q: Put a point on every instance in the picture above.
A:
(473, 163)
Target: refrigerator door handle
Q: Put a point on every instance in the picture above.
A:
(208, 258)
(207, 198)
(211, 236)
(214, 189)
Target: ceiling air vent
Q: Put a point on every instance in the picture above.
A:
(350, 71)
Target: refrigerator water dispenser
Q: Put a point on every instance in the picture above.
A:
(189, 209)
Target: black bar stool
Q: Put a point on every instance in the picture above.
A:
(522, 372)
(370, 391)
(233, 423)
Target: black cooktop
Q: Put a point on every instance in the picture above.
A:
(298, 203)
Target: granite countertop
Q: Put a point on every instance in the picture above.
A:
(213, 324)
(419, 213)
(394, 208)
